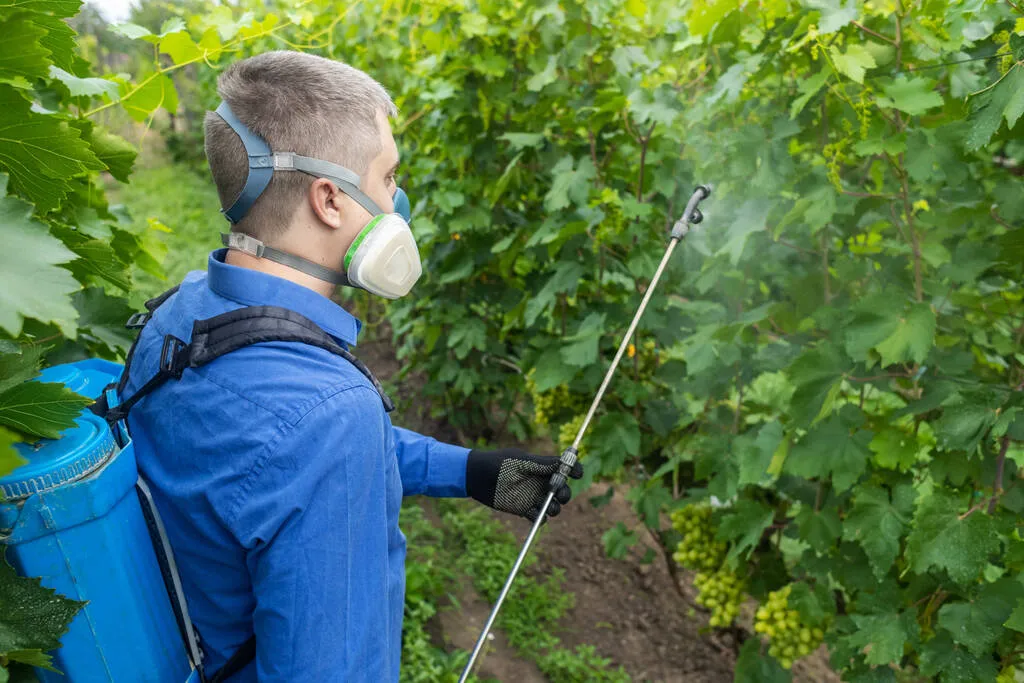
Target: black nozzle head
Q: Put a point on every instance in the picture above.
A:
(696, 217)
(705, 190)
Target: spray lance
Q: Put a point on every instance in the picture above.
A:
(691, 216)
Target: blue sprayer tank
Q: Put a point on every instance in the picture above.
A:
(72, 517)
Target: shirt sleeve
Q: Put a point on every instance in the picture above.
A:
(316, 513)
(430, 467)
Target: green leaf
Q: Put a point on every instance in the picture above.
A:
(59, 41)
(570, 183)
(19, 365)
(1003, 100)
(618, 540)
(157, 92)
(10, 459)
(834, 449)
(40, 408)
(912, 339)
(808, 88)
(820, 528)
(835, 14)
(941, 540)
(617, 433)
(40, 152)
(1016, 619)
(742, 526)
(114, 151)
(941, 655)
(130, 31)
(911, 95)
(96, 258)
(546, 76)
(85, 87)
(883, 636)
(180, 47)
(854, 62)
(32, 285)
(59, 8)
(33, 657)
(878, 524)
(21, 52)
(752, 666)
(34, 617)
(550, 371)
(963, 425)
(749, 219)
(755, 455)
(817, 375)
(894, 449)
(523, 140)
(565, 279)
(103, 317)
(978, 623)
(583, 349)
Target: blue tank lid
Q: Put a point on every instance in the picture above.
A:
(80, 450)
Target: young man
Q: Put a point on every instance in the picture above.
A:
(275, 467)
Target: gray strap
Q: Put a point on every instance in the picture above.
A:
(339, 175)
(248, 244)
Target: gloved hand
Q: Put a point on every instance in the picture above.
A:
(512, 480)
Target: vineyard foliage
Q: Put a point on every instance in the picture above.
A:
(834, 366)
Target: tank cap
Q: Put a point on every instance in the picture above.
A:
(52, 463)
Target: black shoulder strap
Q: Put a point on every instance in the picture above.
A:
(238, 661)
(227, 332)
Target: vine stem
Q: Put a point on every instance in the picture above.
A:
(915, 242)
(162, 72)
(1000, 466)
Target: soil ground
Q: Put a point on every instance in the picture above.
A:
(633, 611)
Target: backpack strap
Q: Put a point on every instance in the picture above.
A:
(245, 653)
(220, 335)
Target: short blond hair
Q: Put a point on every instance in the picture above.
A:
(298, 103)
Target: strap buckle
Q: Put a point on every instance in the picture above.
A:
(243, 243)
(173, 356)
(137, 321)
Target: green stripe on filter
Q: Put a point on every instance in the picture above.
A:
(360, 237)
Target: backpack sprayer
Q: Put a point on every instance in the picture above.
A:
(691, 216)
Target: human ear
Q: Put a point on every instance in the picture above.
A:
(326, 202)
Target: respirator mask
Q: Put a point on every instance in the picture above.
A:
(382, 259)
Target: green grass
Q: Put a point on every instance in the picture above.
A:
(186, 203)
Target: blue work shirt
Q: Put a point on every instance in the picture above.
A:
(279, 477)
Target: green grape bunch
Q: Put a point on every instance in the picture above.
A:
(721, 592)
(568, 431)
(789, 639)
(698, 550)
(549, 405)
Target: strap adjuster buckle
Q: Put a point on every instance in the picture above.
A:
(246, 244)
(137, 321)
(173, 356)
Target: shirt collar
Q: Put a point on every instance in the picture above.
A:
(253, 288)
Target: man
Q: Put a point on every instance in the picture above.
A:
(275, 467)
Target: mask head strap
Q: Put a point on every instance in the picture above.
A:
(261, 165)
(263, 162)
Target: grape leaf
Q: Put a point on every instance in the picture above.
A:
(583, 347)
(883, 636)
(32, 285)
(19, 365)
(114, 151)
(978, 623)
(617, 433)
(130, 30)
(755, 455)
(835, 14)
(570, 183)
(180, 47)
(34, 617)
(87, 87)
(59, 40)
(155, 92)
(878, 525)
(912, 339)
(40, 152)
(831, 449)
(817, 374)
(894, 449)
(34, 657)
(963, 425)
(952, 663)
(59, 8)
(21, 53)
(103, 317)
(40, 408)
(854, 62)
(1016, 619)
(941, 540)
(911, 95)
(819, 528)
(1004, 100)
(10, 459)
(742, 526)
(754, 667)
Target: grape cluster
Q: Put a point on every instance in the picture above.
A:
(721, 592)
(546, 404)
(789, 639)
(698, 550)
(568, 431)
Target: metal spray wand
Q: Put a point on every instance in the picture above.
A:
(691, 216)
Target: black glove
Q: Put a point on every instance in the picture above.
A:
(512, 480)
